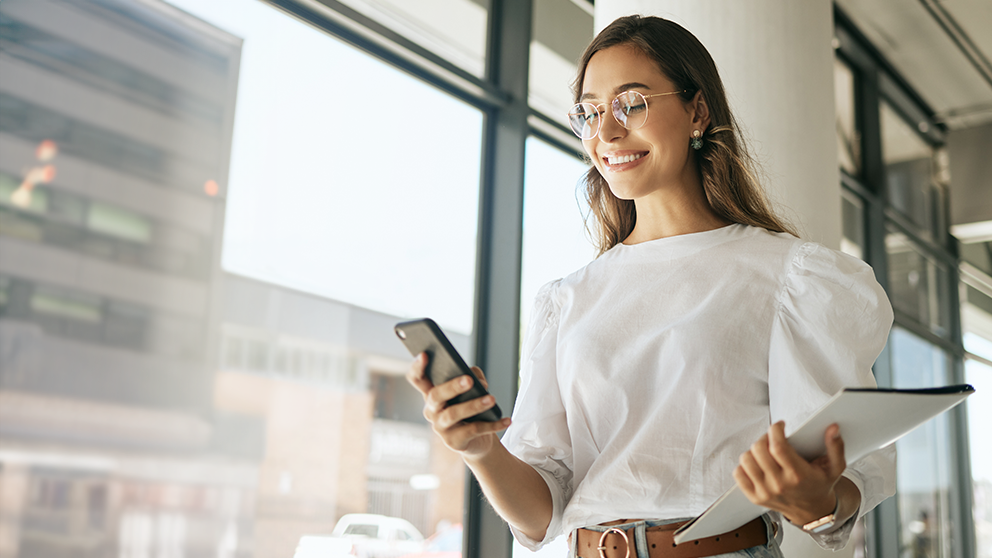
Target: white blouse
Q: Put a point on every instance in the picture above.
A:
(648, 372)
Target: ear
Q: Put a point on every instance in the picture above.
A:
(700, 112)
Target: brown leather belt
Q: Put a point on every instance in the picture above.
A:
(617, 543)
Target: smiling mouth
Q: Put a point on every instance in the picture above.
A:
(624, 159)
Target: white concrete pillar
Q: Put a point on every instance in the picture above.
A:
(776, 61)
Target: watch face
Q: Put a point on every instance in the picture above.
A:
(820, 525)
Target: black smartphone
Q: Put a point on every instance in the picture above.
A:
(443, 362)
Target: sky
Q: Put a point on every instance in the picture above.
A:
(351, 180)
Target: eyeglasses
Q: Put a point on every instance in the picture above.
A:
(630, 108)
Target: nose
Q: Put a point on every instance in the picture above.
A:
(610, 129)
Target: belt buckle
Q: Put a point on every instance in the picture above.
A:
(602, 541)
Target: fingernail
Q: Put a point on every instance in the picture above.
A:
(489, 400)
(466, 381)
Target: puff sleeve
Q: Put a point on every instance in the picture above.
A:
(833, 320)
(539, 432)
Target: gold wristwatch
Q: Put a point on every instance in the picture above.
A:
(825, 523)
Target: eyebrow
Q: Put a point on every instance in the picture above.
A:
(620, 89)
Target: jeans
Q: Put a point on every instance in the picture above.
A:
(769, 550)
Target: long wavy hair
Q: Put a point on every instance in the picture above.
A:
(728, 172)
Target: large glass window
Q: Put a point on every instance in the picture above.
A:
(909, 174)
(919, 285)
(976, 318)
(925, 478)
(853, 225)
(904, 209)
(211, 215)
(555, 242)
(456, 30)
(848, 137)
(561, 31)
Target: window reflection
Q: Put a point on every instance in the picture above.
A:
(561, 31)
(909, 172)
(918, 284)
(70, 221)
(924, 476)
(853, 225)
(978, 254)
(848, 136)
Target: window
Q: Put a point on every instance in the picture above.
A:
(909, 173)
(977, 323)
(55, 216)
(924, 468)
(555, 241)
(456, 30)
(211, 215)
(853, 229)
(894, 188)
(848, 138)
(918, 283)
(562, 29)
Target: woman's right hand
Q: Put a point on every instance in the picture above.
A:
(471, 439)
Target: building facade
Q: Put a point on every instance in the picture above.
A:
(115, 132)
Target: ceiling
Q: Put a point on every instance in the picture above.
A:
(943, 48)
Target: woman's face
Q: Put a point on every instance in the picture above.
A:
(657, 152)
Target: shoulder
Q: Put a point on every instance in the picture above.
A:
(547, 296)
(814, 261)
(823, 282)
(805, 258)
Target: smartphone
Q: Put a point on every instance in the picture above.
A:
(443, 362)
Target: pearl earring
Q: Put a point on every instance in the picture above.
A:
(697, 141)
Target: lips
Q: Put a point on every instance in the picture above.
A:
(618, 161)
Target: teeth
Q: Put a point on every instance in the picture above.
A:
(624, 159)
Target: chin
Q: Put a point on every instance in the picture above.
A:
(622, 192)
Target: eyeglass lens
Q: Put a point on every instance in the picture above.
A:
(629, 108)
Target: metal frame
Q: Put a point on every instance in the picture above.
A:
(497, 309)
(875, 80)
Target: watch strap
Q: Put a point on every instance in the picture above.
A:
(824, 523)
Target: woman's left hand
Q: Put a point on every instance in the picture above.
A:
(774, 476)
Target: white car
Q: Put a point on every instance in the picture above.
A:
(363, 535)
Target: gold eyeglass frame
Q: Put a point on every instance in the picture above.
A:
(615, 105)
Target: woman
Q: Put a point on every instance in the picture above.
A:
(665, 370)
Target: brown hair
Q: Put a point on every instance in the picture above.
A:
(729, 174)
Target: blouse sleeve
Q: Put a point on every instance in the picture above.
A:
(832, 322)
(538, 434)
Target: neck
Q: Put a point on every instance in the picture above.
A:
(672, 212)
